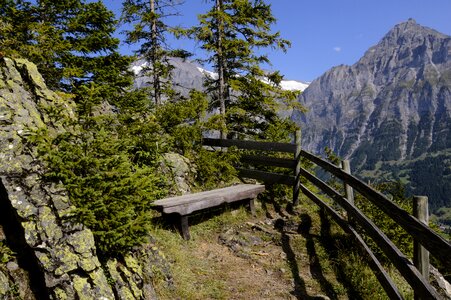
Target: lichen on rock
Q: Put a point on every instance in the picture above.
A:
(180, 170)
(63, 251)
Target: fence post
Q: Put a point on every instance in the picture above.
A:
(420, 254)
(297, 169)
(349, 192)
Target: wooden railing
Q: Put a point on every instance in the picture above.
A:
(421, 233)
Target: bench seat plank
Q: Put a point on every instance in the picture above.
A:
(187, 204)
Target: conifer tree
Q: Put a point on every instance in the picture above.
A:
(236, 32)
(149, 29)
(70, 41)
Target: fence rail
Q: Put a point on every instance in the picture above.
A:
(435, 244)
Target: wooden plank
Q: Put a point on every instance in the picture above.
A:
(267, 177)
(377, 268)
(187, 204)
(349, 192)
(437, 245)
(200, 196)
(252, 207)
(399, 260)
(251, 145)
(269, 161)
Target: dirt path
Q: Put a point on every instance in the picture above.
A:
(266, 257)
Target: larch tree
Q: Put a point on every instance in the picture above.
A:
(150, 30)
(235, 33)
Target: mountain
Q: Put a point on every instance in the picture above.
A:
(390, 112)
(188, 75)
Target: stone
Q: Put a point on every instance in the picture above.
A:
(181, 171)
(82, 288)
(63, 251)
(49, 226)
(82, 241)
(2, 234)
(12, 266)
(4, 285)
(101, 288)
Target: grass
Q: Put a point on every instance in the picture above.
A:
(319, 259)
(194, 277)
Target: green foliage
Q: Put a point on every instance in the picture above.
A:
(70, 41)
(146, 18)
(234, 32)
(443, 215)
(6, 254)
(108, 164)
(183, 122)
(215, 168)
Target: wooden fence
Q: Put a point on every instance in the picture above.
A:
(421, 233)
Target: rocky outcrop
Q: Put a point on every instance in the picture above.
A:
(44, 254)
(60, 255)
(392, 106)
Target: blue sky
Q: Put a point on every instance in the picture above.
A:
(326, 33)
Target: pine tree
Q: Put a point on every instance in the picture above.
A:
(147, 18)
(236, 32)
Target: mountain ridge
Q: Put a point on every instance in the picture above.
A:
(393, 105)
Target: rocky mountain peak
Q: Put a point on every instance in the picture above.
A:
(391, 107)
(410, 44)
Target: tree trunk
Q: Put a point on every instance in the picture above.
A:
(154, 59)
(221, 66)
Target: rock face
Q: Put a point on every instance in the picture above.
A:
(60, 255)
(181, 172)
(43, 253)
(393, 106)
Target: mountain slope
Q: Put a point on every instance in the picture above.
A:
(188, 75)
(390, 112)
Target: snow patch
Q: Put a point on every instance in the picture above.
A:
(137, 69)
(208, 73)
(293, 85)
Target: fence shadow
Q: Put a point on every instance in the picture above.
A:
(332, 250)
(315, 266)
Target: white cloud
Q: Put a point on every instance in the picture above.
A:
(337, 49)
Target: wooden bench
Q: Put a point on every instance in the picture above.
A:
(185, 205)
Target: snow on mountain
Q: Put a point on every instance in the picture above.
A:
(208, 73)
(293, 85)
(288, 85)
(138, 68)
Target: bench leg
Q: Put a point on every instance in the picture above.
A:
(184, 227)
(252, 207)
